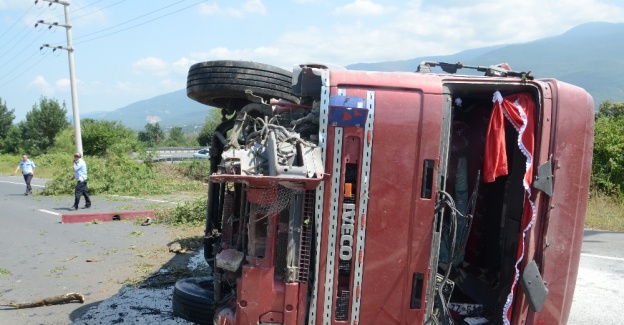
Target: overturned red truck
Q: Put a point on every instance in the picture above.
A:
(360, 197)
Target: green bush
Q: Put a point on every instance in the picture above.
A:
(190, 213)
(197, 169)
(115, 174)
(608, 159)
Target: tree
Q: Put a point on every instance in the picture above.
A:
(213, 119)
(42, 124)
(11, 143)
(153, 135)
(176, 137)
(100, 137)
(609, 109)
(6, 119)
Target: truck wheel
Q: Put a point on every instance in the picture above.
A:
(222, 84)
(193, 300)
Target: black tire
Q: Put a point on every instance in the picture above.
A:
(222, 84)
(193, 300)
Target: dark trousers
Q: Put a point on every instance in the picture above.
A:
(27, 179)
(81, 189)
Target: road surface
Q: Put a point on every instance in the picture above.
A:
(41, 257)
(47, 258)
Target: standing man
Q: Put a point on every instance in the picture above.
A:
(28, 169)
(80, 175)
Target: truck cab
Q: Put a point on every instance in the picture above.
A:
(366, 197)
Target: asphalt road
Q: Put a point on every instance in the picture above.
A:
(599, 291)
(40, 257)
(47, 258)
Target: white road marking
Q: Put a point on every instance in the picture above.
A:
(50, 212)
(22, 183)
(604, 257)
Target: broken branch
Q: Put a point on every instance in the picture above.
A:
(56, 300)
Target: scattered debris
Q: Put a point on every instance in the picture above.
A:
(147, 222)
(56, 300)
(69, 259)
(175, 247)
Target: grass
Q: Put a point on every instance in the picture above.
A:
(604, 213)
(136, 233)
(5, 272)
(58, 269)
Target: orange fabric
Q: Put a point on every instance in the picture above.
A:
(521, 116)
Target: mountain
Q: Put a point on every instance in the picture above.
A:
(412, 64)
(588, 55)
(172, 109)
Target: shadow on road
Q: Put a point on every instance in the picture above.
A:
(136, 302)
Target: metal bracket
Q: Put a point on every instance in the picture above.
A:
(544, 178)
(534, 286)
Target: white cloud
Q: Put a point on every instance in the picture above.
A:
(63, 84)
(42, 85)
(362, 8)
(151, 65)
(208, 9)
(254, 7)
(14, 4)
(182, 66)
(420, 29)
(215, 9)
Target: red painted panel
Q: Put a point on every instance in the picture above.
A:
(573, 120)
(397, 217)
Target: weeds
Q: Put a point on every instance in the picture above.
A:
(145, 267)
(604, 212)
(5, 272)
(58, 269)
(196, 169)
(115, 174)
(110, 252)
(190, 213)
(136, 233)
(168, 277)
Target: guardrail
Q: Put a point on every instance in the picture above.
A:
(175, 149)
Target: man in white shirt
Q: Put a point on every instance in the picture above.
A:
(80, 175)
(28, 170)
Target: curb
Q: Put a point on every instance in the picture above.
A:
(106, 216)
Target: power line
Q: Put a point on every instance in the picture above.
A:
(138, 25)
(19, 52)
(23, 63)
(15, 23)
(129, 21)
(25, 70)
(94, 11)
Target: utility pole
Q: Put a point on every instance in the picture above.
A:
(72, 77)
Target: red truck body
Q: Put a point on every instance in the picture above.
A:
(405, 198)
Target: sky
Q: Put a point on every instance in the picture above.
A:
(130, 50)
